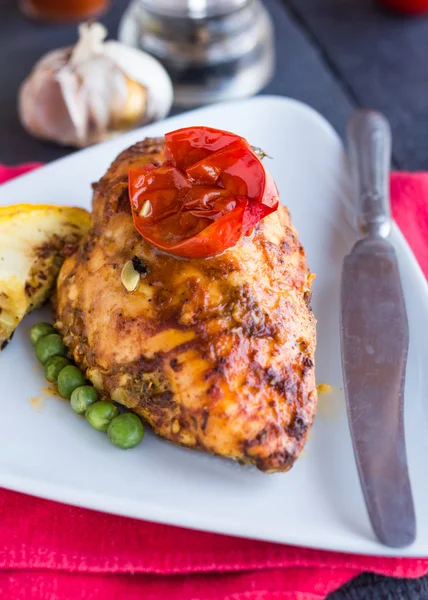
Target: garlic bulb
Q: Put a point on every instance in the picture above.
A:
(82, 95)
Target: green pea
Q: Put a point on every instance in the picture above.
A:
(126, 430)
(100, 414)
(50, 345)
(69, 379)
(40, 330)
(82, 398)
(53, 366)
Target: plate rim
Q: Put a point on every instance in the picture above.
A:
(156, 513)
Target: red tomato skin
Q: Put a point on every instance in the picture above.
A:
(211, 190)
(185, 147)
(407, 7)
(214, 239)
(162, 186)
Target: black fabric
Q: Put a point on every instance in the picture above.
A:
(331, 54)
(375, 587)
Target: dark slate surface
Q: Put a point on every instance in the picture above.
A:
(23, 42)
(300, 73)
(384, 60)
(331, 54)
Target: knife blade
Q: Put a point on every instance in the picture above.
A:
(374, 339)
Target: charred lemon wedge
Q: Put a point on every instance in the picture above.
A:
(33, 243)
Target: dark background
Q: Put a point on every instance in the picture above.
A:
(334, 55)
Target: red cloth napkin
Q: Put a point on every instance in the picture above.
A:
(51, 551)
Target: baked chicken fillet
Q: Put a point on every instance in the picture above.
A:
(216, 353)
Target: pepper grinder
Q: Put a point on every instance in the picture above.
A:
(214, 50)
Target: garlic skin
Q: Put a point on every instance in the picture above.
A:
(42, 109)
(160, 96)
(83, 95)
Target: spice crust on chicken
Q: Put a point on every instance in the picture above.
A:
(214, 353)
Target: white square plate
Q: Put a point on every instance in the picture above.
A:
(52, 453)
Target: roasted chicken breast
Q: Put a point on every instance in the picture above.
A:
(215, 353)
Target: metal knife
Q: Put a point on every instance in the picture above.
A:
(375, 337)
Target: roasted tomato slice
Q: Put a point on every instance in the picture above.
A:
(185, 147)
(211, 190)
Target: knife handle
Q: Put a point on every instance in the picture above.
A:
(369, 147)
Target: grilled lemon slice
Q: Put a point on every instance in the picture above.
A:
(32, 242)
